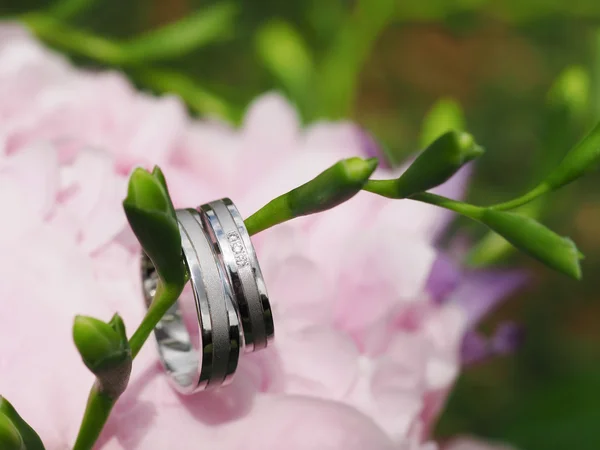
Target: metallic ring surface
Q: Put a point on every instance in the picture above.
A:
(226, 229)
(216, 361)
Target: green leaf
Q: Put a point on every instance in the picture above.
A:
(101, 345)
(29, 437)
(335, 185)
(445, 115)
(434, 166)
(151, 215)
(536, 240)
(10, 438)
(179, 38)
(285, 54)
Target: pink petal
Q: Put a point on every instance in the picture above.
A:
(318, 361)
(299, 293)
(481, 292)
(160, 130)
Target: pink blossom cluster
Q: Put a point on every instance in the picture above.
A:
(370, 316)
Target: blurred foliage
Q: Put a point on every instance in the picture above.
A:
(522, 75)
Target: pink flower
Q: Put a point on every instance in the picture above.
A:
(369, 326)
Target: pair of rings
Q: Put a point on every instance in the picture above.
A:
(232, 304)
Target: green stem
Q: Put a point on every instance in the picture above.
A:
(536, 192)
(96, 414)
(74, 41)
(66, 9)
(111, 53)
(99, 405)
(197, 98)
(472, 211)
(165, 297)
(385, 188)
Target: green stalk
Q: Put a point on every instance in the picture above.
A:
(164, 298)
(523, 200)
(100, 404)
(96, 414)
(112, 53)
(471, 211)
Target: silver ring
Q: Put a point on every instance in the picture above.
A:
(225, 227)
(216, 361)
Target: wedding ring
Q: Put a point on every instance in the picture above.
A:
(225, 228)
(215, 361)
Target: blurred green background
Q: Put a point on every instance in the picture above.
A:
(522, 75)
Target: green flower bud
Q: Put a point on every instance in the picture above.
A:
(151, 215)
(335, 185)
(492, 247)
(105, 351)
(11, 422)
(10, 438)
(535, 239)
(434, 166)
(99, 344)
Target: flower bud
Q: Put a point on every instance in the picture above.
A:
(535, 239)
(434, 166)
(98, 343)
(151, 215)
(105, 351)
(10, 438)
(15, 433)
(335, 185)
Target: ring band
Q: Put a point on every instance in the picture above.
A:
(225, 227)
(215, 362)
